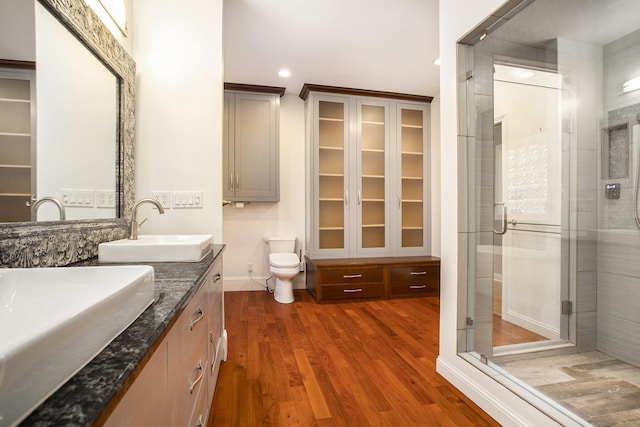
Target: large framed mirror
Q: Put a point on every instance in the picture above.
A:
(82, 154)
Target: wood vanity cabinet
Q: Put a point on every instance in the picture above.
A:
(187, 359)
(216, 335)
(341, 279)
(175, 387)
(146, 401)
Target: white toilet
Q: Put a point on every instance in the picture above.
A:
(284, 265)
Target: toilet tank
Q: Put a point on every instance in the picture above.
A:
(280, 244)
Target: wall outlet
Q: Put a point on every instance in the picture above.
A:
(250, 267)
(162, 197)
(105, 199)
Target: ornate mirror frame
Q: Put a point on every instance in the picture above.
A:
(58, 243)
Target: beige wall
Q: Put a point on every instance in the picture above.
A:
(178, 51)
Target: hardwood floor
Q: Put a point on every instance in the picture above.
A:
(506, 333)
(347, 364)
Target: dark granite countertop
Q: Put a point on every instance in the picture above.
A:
(81, 400)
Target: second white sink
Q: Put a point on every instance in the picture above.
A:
(157, 248)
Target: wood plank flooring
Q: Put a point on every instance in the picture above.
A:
(506, 333)
(348, 364)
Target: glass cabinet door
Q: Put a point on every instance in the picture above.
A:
(373, 175)
(16, 174)
(332, 192)
(412, 167)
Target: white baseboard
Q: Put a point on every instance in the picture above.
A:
(504, 405)
(256, 283)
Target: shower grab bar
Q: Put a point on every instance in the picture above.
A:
(504, 217)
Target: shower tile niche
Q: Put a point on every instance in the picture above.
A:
(616, 152)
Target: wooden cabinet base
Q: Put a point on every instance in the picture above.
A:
(340, 279)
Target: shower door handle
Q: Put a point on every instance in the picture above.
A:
(504, 218)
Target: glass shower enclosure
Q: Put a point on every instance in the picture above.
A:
(549, 123)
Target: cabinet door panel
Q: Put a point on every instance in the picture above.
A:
(228, 153)
(412, 179)
(145, 403)
(373, 176)
(255, 145)
(331, 180)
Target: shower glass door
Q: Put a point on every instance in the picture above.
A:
(527, 288)
(519, 235)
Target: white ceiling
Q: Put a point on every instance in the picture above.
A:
(386, 45)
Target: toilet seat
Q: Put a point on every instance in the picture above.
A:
(284, 260)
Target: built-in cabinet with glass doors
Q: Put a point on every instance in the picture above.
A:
(368, 169)
(16, 129)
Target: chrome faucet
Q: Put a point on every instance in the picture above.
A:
(133, 234)
(37, 203)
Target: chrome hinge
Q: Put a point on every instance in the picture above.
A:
(469, 74)
(567, 307)
(469, 321)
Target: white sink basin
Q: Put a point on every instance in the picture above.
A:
(157, 248)
(53, 321)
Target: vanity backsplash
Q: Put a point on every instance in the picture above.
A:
(55, 246)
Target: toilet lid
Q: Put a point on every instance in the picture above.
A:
(284, 259)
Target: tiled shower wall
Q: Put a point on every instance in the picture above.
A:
(619, 238)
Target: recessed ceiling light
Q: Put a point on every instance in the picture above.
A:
(284, 73)
(437, 61)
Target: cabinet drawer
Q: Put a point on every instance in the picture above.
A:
(355, 275)
(414, 273)
(353, 291)
(187, 358)
(414, 280)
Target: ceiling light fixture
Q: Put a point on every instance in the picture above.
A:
(437, 61)
(631, 85)
(521, 73)
(284, 73)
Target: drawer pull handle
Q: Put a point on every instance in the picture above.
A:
(200, 315)
(352, 276)
(216, 277)
(418, 273)
(199, 423)
(352, 291)
(199, 378)
(417, 286)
